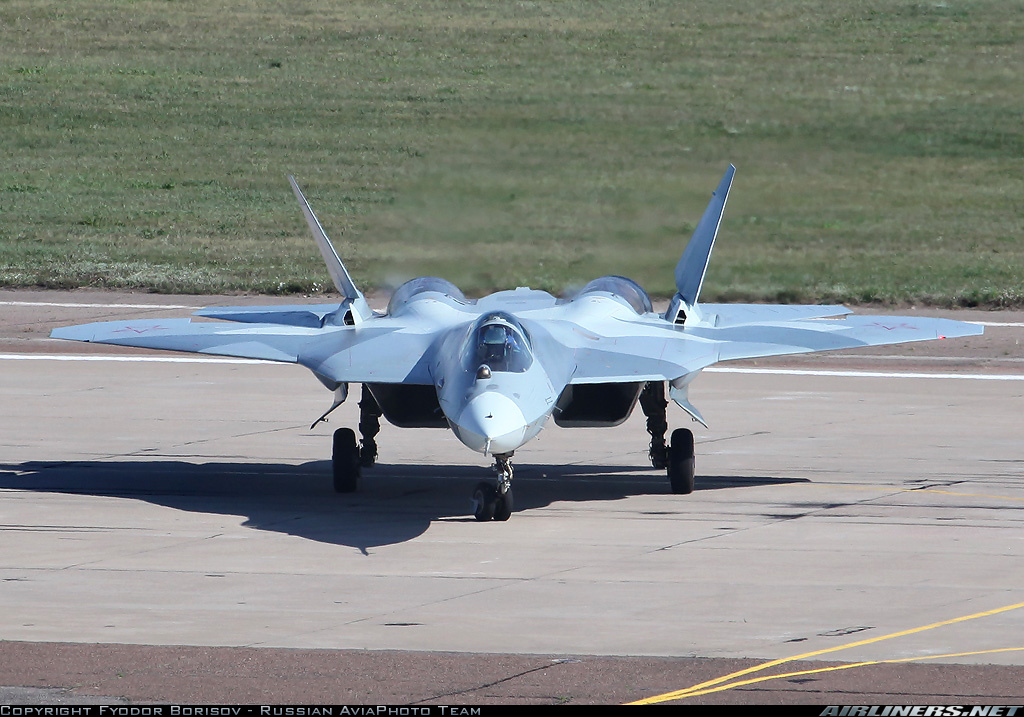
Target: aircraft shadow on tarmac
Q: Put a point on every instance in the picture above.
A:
(395, 502)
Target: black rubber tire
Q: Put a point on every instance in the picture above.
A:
(681, 462)
(345, 461)
(503, 507)
(485, 499)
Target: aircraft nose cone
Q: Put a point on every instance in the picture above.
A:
(491, 423)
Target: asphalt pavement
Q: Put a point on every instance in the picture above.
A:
(168, 532)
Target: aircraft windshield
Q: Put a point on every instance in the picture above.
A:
(502, 348)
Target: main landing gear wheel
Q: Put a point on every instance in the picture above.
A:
(681, 461)
(345, 461)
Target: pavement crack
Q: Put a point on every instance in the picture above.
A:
(468, 690)
(249, 434)
(708, 441)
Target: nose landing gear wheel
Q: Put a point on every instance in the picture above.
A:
(485, 502)
(681, 461)
(503, 508)
(345, 461)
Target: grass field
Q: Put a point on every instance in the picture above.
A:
(879, 144)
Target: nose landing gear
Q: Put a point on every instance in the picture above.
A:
(492, 502)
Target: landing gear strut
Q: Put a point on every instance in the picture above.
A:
(495, 502)
(369, 426)
(654, 405)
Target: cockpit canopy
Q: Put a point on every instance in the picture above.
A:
(498, 341)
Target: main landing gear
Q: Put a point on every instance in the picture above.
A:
(495, 502)
(676, 457)
(349, 458)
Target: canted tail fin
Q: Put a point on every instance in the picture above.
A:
(693, 265)
(354, 306)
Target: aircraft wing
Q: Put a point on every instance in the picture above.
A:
(257, 341)
(389, 352)
(793, 337)
(647, 350)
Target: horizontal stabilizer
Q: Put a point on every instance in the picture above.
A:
(722, 315)
(694, 263)
(308, 315)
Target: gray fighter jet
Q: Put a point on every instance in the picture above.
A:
(495, 369)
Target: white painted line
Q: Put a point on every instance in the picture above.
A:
(769, 371)
(870, 374)
(996, 323)
(70, 305)
(129, 359)
(901, 357)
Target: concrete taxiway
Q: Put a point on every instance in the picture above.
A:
(845, 511)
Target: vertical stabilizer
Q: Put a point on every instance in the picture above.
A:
(354, 302)
(694, 262)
